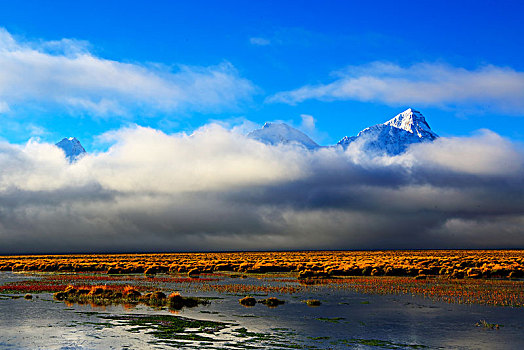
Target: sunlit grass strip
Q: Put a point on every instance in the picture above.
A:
(31, 287)
(452, 263)
(141, 278)
(487, 292)
(248, 289)
(54, 283)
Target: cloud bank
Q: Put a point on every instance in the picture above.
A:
(426, 84)
(218, 190)
(65, 74)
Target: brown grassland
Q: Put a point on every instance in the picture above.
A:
(455, 264)
(489, 277)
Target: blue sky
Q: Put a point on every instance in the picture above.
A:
(264, 50)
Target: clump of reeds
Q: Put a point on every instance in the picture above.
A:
(271, 302)
(176, 301)
(248, 301)
(131, 293)
(156, 298)
(312, 302)
(486, 324)
(102, 295)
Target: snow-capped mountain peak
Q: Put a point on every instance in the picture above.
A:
(72, 148)
(277, 133)
(394, 136)
(412, 121)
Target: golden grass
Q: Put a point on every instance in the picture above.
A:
(455, 264)
(115, 294)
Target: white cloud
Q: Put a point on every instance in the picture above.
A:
(308, 122)
(210, 159)
(486, 154)
(238, 125)
(217, 189)
(426, 84)
(65, 74)
(259, 41)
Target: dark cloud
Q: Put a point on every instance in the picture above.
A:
(217, 190)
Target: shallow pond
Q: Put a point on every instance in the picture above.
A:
(344, 320)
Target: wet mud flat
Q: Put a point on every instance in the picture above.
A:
(345, 318)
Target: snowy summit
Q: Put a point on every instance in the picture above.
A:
(414, 122)
(72, 148)
(277, 133)
(394, 136)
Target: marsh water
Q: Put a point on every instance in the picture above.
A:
(344, 320)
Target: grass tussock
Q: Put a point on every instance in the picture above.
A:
(272, 302)
(105, 295)
(312, 302)
(248, 301)
(485, 324)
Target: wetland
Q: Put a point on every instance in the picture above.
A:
(236, 309)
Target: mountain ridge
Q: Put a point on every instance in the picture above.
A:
(392, 137)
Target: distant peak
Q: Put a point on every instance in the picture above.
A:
(277, 133)
(72, 148)
(412, 121)
(69, 140)
(275, 125)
